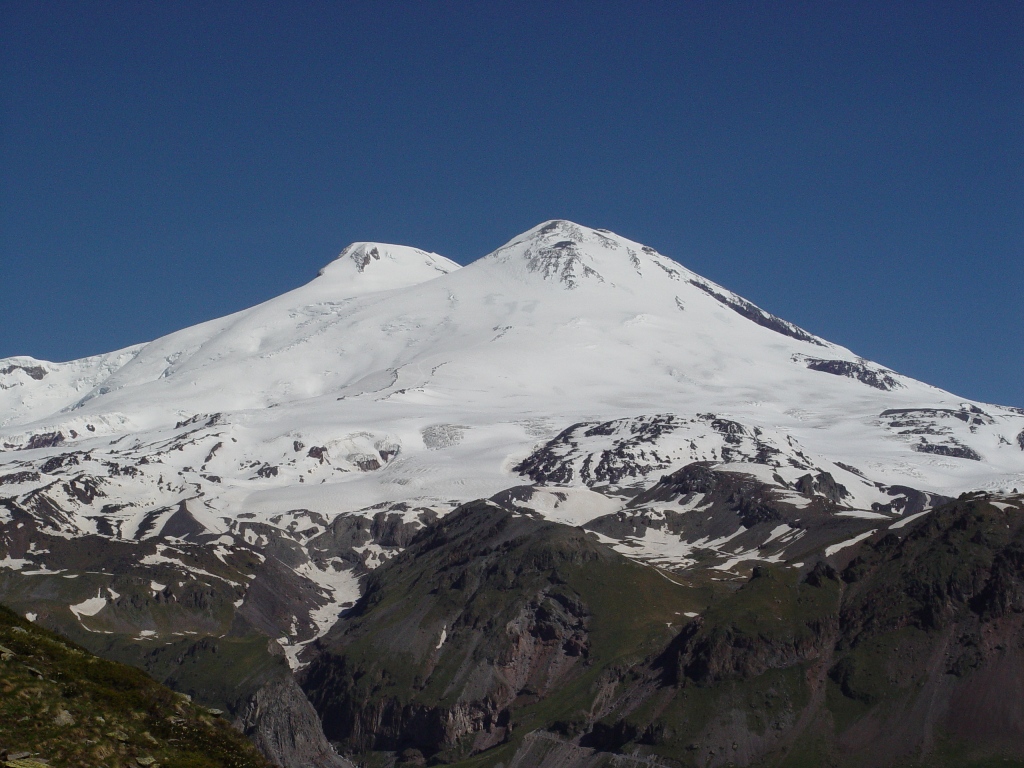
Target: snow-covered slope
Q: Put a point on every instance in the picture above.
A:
(398, 380)
(562, 324)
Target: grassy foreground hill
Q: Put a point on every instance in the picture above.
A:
(71, 709)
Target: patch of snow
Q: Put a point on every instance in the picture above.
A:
(778, 531)
(908, 519)
(864, 514)
(89, 607)
(829, 551)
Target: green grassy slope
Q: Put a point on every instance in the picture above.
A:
(63, 705)
(913, 655)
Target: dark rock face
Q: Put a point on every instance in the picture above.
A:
(822, 484)
(285, 728)
(560, 261)
(879, 379)
(84, 488)
(63, 460)
(757, 315)
(36, 372)
(347, 533)
(716, 505)
(746, 496)
(932, 431)
(917, 417)
(520, 641)
(391, 530)
(19, 477)
(45, 440)
(952, 448)
(693, 478)
(200, 420)
(961, 562)
(909, 501)
(363, 258)
(182, 524)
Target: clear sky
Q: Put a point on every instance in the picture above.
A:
(855, 167)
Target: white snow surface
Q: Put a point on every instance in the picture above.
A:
(396, 375)
(89, 607)
(829, 551)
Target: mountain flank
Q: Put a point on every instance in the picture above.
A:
(501, 639)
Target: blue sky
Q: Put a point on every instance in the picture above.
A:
(855, 167)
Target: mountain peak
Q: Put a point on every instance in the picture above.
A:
(560, 230)
(365, 267)
(573, 255)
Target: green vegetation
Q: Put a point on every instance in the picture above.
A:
(63, 705)
(220, 672)
(497, 637)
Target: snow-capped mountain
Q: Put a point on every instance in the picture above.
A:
(317, 431)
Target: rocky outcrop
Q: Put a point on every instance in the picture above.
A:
(36, 372)
(822, 484)
(285, 728)
(625, 451)
(951, 447)
(873, 376)
(755, 314)
(740, 509)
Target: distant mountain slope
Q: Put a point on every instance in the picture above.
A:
(499, 639)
